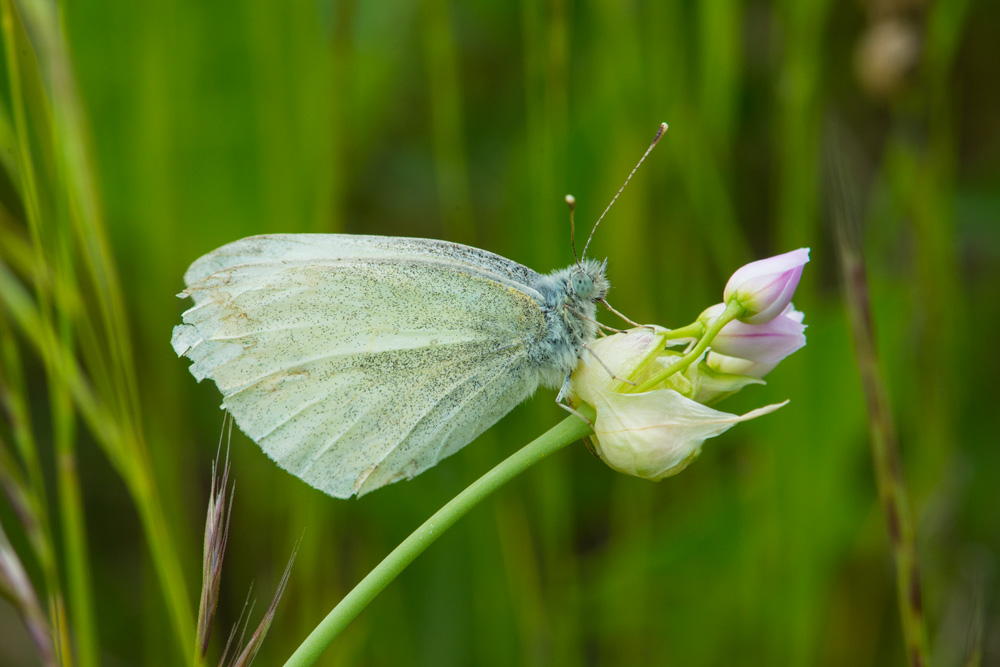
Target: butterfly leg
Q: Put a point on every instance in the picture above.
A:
(564, 389)
(604, 366)
(601, 327)
(635, 324)
(605, 327)
(563, 394)
(569, 409)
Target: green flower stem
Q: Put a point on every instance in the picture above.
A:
(733, 311)
(693, 330)
(565, 432)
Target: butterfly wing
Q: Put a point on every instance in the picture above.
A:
(356, 361)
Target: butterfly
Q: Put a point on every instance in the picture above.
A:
(355, 361)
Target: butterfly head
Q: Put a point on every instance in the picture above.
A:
(588, 280)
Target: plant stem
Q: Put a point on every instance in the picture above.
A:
(888, 470)
(732, 311)
(568, 430)
(693, 330)
(884, 442)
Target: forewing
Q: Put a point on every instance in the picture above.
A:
(326, 248)
(353, 372)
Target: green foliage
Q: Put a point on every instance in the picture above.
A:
(135, 136)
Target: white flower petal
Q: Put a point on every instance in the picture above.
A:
(655, 434)
(621, 353)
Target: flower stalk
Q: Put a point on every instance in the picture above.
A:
(732, 312)
(562, 434)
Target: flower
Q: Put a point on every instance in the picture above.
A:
(736, 366)
(710, 384)
(763, 343)
(764, 288)
(651, 434)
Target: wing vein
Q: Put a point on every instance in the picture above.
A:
(371, 470)
(322, 357)
(354, 423)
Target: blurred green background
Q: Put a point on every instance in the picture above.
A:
(136, 136)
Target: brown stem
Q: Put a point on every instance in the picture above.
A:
(884, 441)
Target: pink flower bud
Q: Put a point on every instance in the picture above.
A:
(767, 343)
(765, 287)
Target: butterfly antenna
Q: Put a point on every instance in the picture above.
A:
(656, 139)
(571, 202)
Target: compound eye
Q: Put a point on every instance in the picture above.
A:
(582, 284)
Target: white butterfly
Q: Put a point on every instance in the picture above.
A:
(357, 361)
